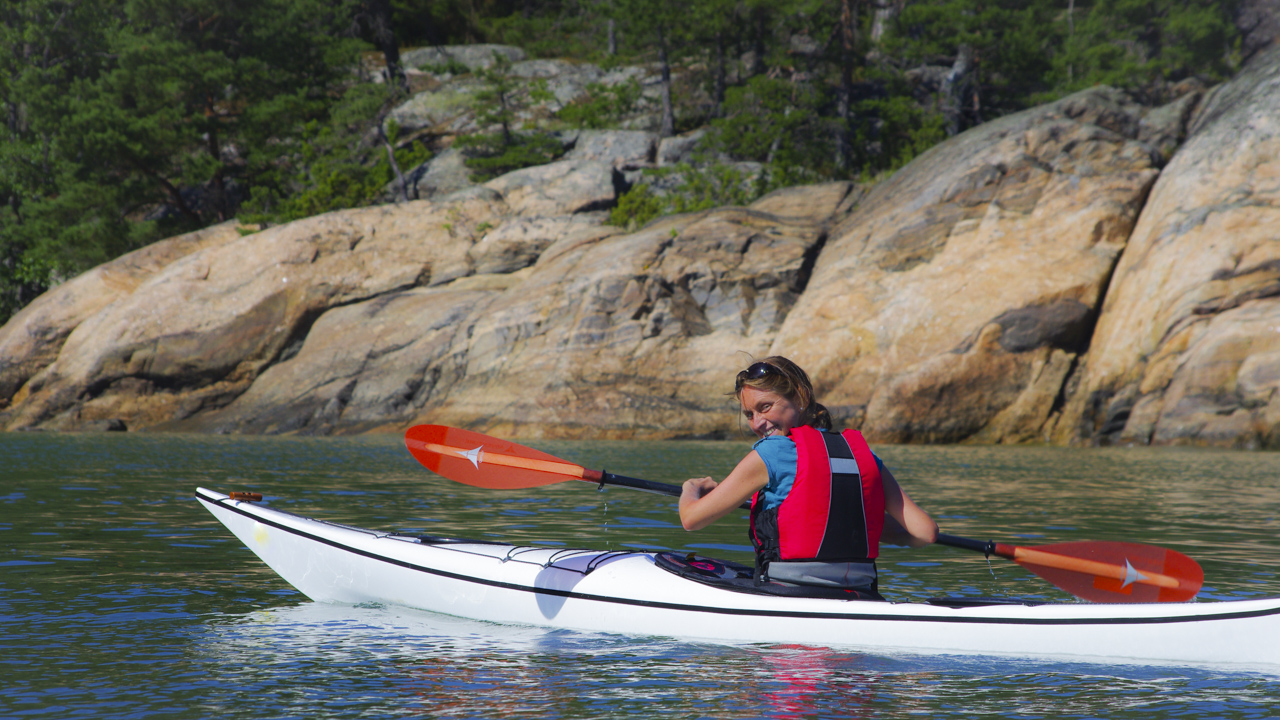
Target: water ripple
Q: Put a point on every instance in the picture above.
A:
(120, 597)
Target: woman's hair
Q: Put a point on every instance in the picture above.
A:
(780, 375)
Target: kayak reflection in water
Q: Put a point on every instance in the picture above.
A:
(821, 501)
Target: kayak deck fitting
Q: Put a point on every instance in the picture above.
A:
(628, 592)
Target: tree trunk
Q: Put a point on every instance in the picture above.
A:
(668, 113)
(376, 16)
(174, 194)
(220, 204)
(613, 37)
(506, 119)
(844, 94)
(721, 80)
(758, 49)
(391, 158)
(886, 12)
(953, 89)
(1071, 34)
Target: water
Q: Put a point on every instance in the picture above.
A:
(120, 597)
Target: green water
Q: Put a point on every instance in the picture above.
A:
(120, 597)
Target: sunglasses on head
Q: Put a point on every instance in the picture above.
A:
(755, 372)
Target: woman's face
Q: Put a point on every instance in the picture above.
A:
(769, 413)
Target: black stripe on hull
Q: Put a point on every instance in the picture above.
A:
(722, 611)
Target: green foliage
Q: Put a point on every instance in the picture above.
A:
(57, 215)
(491, 155)
(894, 131)
(637, 207)
(553, 35)
(779, 123)
(699, 189)
(1131, 43)
(124, 121)
(128, 120)
(496, 103)
(333, 181)
(1028, 51)
(335, 163)
(1012, 42)
(603, 107)
(448, 67)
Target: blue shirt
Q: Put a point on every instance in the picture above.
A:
(780, 458)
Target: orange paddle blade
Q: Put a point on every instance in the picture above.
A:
(475, 459)
(1111, 572)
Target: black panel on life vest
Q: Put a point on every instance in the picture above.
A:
(844, 537)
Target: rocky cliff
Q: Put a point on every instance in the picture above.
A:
(1187, 347)
(1051, 275)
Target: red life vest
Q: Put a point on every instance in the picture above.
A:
(835, 510)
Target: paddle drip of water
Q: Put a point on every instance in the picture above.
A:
(605, 507)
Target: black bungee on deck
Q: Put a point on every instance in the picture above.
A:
(740, 578)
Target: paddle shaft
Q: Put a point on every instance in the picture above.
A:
(1103, 572)
(987, 547)
(608, 478)
(568, 470)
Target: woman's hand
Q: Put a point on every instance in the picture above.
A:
(695, 488)
(703, 500)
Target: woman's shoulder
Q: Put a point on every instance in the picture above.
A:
(774, 441)
(775, 449)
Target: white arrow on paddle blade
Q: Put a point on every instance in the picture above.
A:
(475, 456)
(1131, 575)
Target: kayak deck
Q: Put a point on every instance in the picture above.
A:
(627, 592)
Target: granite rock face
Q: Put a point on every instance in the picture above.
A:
(445, 103)
(196, 333)
(638, 335)
(605, 335)
(474, 57)
(953, 302)
(560, 188)
(33, 338)
(441, 175)
(1187, 348)
(1040, 277)
(624, 149)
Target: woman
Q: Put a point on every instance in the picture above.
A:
(821, 501)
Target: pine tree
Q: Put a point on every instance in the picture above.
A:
(130, 119)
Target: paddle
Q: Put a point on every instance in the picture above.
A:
(1105, 572)
(1093, 570)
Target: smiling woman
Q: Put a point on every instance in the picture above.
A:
(820, 501)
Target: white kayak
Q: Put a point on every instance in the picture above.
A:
(641, 593)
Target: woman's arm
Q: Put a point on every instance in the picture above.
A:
(703, 500)
(910, 525)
